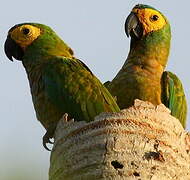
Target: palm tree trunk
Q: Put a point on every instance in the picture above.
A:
(142, 142)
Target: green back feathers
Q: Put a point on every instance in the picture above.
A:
(173, 96)
(74, 89)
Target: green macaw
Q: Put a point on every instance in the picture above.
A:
(59, 82)
(142, 75)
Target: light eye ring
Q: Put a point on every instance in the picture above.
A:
(154, 18)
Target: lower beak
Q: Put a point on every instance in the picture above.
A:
(12, 49)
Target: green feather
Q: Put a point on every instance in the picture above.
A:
(144, 6)
(173, 96)
(75, 90)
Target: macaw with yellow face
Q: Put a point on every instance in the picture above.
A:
(142, 75)
(59, 82)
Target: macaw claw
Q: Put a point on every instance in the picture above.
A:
(48, 135)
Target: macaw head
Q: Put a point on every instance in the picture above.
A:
(143, 21)
(33, 38)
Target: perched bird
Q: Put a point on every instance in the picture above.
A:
(142, 75)
(59, 82)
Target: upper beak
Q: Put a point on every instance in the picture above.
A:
(133, 26)
(12, 49)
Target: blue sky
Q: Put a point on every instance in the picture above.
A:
(95, 31)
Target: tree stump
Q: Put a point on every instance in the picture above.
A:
(143, 142)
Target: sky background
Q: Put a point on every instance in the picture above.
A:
(95, 31)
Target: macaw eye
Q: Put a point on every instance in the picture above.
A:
(154, 18)
(25, 31)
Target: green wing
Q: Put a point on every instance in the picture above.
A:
(72, 87)
(173, 96)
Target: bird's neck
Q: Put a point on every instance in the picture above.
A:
(45, 49)
(149, 54)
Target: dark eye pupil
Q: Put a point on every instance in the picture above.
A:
(26, 31)
(154, 18)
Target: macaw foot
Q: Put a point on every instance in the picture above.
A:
(48, 135)
(50, 131)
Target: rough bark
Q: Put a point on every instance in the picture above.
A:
(141, 143)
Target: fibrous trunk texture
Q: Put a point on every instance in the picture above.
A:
(142, 142)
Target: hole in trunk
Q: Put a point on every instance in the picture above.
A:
(117, 165)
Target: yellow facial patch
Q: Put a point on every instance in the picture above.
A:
(151, 19)
(24, 35)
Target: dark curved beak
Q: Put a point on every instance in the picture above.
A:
(12, 49)
(133, 27)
